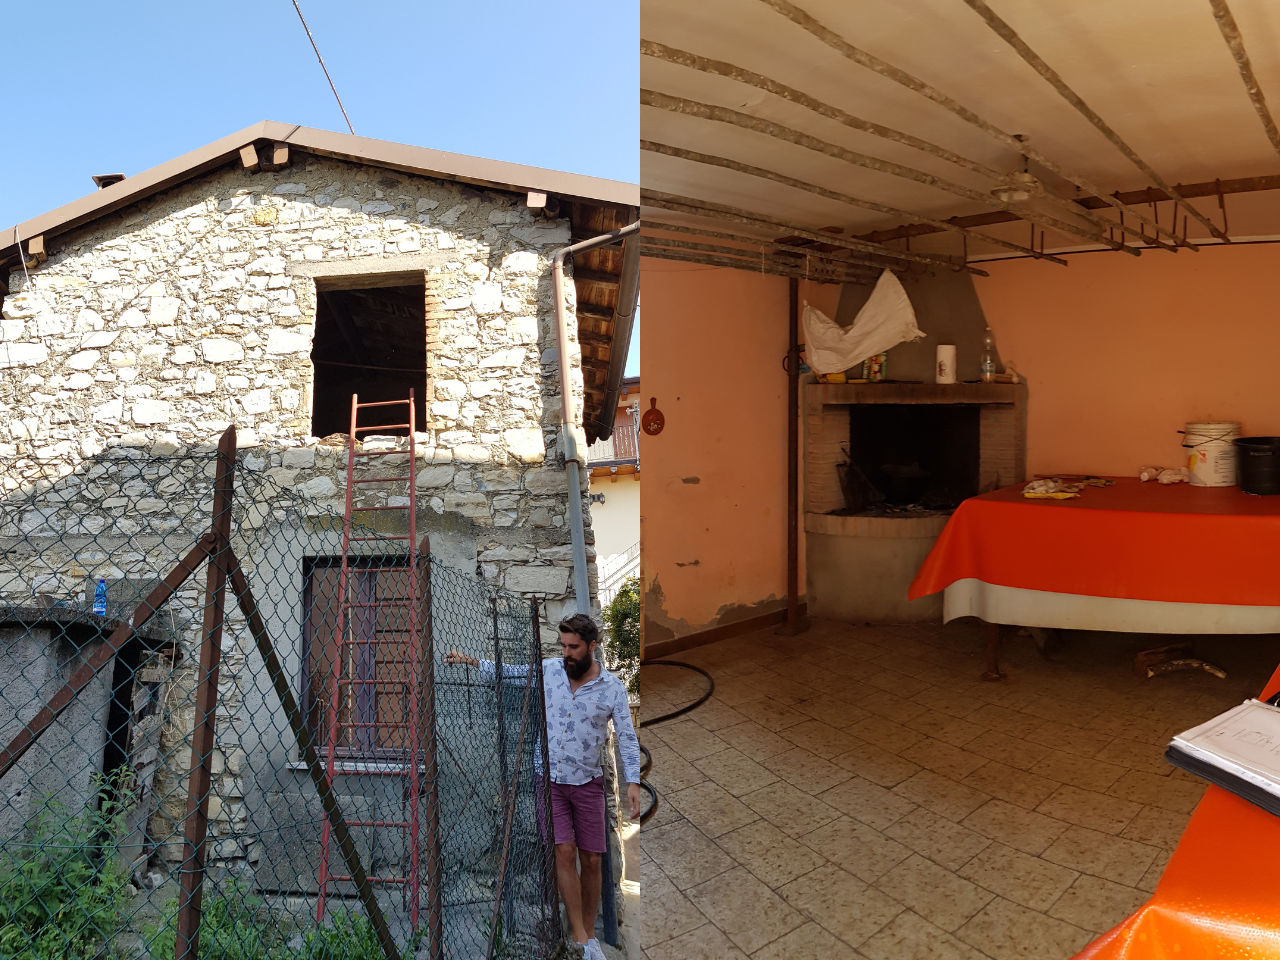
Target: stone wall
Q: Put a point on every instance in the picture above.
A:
(158, 327)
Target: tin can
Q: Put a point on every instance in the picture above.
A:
(873, 368)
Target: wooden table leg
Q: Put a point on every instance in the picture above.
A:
(993, 653)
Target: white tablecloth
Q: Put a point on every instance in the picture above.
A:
(1071, 611)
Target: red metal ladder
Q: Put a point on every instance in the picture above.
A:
(356, 683)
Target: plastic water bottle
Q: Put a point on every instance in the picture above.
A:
(988, 357)
(100, 599)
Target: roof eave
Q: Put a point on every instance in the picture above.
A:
(421, 161)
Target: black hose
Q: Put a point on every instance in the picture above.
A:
(653, 807)
(711, 688)
(648, 757)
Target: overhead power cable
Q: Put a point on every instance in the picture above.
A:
(323, 67)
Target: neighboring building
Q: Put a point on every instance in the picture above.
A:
(615, 494)
(261, 281)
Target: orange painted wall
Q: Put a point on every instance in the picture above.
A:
(1120, 352)
(713, 340)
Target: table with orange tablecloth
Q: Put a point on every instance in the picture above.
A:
(1134, 557)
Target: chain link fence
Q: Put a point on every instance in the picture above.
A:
(219, 740)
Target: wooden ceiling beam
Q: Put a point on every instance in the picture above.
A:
(595, 276)
(595, 310)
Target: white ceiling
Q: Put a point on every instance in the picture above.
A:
(1158, 71)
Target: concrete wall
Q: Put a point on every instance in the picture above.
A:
(862, 579)
(1120, 352)
(714, 503)
(616, 522)
(35, 661)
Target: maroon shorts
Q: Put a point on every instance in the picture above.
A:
(577, 813)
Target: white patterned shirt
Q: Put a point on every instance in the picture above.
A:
(578, 722)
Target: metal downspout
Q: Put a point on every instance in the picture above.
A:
(572, 455)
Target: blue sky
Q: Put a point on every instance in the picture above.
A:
(121, 87)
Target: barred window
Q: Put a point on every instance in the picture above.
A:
(370, 669)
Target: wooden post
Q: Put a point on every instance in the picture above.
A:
(204, 735)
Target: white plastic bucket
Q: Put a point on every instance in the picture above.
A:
(1211, 452)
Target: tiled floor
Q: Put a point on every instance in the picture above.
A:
(857, 792)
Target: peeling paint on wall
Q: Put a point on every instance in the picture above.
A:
(659, 626)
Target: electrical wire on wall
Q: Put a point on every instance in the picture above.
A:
(323, 67)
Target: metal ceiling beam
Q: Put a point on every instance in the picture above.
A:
(706, 111)
(781, 246)
(696, 157)
(1235, 42)
(1010, 36)
(778, 246)
(889, 71)
(722, 69)
(711, 260)
(720, 211)
(1209, 188)
(792, 256)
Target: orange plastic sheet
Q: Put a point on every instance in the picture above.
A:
(1219, 895)
(1135, 541)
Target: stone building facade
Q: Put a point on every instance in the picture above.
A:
(161, 326)
(144, 332)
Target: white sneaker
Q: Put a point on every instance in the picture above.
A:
(593, 951)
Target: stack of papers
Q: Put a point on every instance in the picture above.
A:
(1238, 750)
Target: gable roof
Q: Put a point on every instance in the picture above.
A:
(422, 161)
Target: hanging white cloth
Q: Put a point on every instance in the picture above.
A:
(883, 322)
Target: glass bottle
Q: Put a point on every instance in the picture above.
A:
(988, 357)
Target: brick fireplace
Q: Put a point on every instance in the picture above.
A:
(859, 566)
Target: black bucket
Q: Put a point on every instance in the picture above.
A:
(1259, 464)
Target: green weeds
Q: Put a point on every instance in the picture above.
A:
(63, 890)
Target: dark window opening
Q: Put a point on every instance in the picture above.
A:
(917, 453)
(371, 673)
(371, 342)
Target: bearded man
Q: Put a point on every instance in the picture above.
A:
(581, 698)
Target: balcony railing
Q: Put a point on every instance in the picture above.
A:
(615, 570)
(622, 447)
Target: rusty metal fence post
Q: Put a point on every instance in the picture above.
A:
(510, 797)
(551, 900)
(431, 811)
(204, 736)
